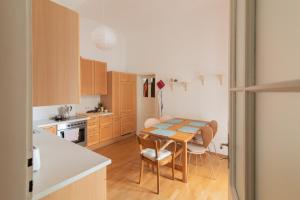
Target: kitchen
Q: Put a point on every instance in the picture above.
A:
(60, 76)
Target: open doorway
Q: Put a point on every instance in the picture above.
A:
(146, 98)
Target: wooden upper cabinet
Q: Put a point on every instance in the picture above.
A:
(100, 77)
(87, 76)
(93, 77)
(127, 93)
(55, 54)
(116, 94)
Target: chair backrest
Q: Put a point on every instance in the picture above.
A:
(145, 142)
(207, 135)
(166, 118)
(150, 122)
(214, 125)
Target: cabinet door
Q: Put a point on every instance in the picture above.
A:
(51, 129)
(87, 76)
(55, 54)
(106, 132)
(116, 128)
(128, 124)
(100, 77)
(131, 95)
(116, 94)
(124, 89)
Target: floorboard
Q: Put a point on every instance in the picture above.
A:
(123, 175)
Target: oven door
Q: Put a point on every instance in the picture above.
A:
(76, 135)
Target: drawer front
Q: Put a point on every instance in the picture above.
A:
(50, 129)
(91, 132)
(106, 132)
(93, 120)
(104, 120)
(94, 126)
(93, 123)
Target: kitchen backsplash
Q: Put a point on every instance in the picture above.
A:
(46, 112)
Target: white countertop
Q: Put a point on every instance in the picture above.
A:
(51, 122)
(62, 163)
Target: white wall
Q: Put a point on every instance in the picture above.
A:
(46, 112)
(183, 39)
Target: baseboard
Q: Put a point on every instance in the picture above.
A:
(109, 142)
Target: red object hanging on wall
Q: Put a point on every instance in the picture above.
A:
(160, 84)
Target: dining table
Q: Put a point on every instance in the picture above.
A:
(180, 130)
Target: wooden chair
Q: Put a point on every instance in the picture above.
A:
(153, 153)
(197, 149)
(150, 122)
(198, 138)
(214, 125)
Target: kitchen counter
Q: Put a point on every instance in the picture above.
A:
(51, 122)
(98, 114)
(62, 163)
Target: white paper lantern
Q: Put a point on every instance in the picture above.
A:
(104, 37)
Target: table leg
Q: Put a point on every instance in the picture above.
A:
(184, 163)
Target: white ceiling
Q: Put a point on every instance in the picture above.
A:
(132, 13)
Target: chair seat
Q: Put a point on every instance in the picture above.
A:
(196, 148)
(150, 154)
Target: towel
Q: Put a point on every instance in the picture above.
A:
(72, 134)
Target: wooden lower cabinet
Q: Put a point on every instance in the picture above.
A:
(93, 131)
(50, 129)
(106, 132)
(91, 187)
(106, 128)
(128, 124)
(116, 127)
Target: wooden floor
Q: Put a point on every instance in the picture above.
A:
(123, 174)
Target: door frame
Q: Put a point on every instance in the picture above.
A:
(249, 100)
(249, 90)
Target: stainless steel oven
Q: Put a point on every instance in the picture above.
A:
(73, 131)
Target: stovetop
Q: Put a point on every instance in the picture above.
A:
(67, 118)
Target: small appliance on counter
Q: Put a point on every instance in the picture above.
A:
(36, 158)
(64, 113)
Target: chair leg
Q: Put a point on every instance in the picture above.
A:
(189, 164)
(157, 167)
(214, 147)
(201, 159)
(141, 171)
(152, 166)
(196, 161)
(173, 168)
